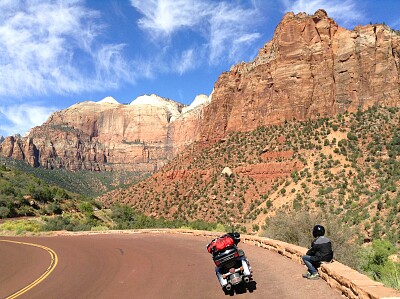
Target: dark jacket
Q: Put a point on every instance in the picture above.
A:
(321, 250)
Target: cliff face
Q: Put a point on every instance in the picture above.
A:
(311, 68)
(142, 136)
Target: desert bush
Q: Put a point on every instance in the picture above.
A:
(374, 261)
(123, 216)
(86, 208)
(69, 222)
(21, 226)
(42, 194)
(56, 223)
(296, 228)
(99, 228)
(4, 212)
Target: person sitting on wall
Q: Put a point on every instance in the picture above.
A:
(320, 251)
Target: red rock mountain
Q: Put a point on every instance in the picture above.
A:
(106, 135)
(312, 67)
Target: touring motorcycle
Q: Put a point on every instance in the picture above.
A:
(232, 266)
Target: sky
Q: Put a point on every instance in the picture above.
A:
(56, 53)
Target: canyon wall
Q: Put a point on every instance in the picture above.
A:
(311, 68)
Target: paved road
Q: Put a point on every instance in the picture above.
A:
(142, 266)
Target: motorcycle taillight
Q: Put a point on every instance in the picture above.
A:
(236, 254)
(217, 263)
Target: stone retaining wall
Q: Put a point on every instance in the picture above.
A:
(350, 283)
(347, 281)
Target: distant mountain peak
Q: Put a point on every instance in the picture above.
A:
(199, 100)
(108, 100)
(152, 99)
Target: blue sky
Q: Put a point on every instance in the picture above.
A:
(54, 54)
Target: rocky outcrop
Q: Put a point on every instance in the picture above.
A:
(311, 68)
(106, 135)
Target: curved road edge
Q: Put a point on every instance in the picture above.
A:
(46, 273)
(348, 282)
(345, 280)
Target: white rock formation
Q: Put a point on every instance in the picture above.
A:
(108, 100)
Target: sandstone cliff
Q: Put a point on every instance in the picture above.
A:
(311, 68)
(106, 135)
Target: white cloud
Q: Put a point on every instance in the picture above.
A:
(229, 34)
(345, 12)
(166, 16)
(110, 63)
(51, 47)
(186, 62)
(21, 118)
(224, 27)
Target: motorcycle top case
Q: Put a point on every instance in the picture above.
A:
(220, 244)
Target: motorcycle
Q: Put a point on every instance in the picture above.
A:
(232, 266)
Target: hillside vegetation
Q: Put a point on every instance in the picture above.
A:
(277, 181)
(22, 194)
(346, 166)
(29, 204)
(84, 182)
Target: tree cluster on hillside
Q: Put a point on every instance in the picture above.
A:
(24, 195)
(344, 170)
(347, 165)
(84, 182)
(349, 179)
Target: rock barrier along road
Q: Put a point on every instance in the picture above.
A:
(140, 266)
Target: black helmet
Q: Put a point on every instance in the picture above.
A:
(318, 231)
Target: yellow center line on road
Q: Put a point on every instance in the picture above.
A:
(53, 264)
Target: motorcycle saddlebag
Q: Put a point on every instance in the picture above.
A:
(220, 244)
(226, 256)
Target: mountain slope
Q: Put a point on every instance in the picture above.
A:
(346, 166)
(311, 68)
(107, 136)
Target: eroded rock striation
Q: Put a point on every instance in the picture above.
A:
(311, 68)
(106, 135)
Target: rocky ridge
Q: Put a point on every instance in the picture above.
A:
(311, 68)
(106, 135)
(310, 124)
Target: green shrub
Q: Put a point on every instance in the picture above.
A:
(56, 223)
(21, 226)
(123, 216)
(99, 228)
(296, 228)
(4, 212)
(391, 275)
(375, 257)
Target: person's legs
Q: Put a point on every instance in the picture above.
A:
(309, 264)
(221, 280)
(246, 268)
(244, 258)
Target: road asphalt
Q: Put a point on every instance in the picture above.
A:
(142, 266)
